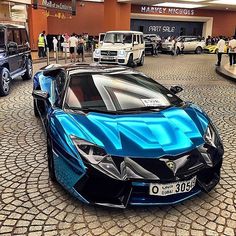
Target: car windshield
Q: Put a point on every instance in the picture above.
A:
(117, 92)
(118, 38)
(2, 41)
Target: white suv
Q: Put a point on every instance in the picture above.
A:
(121, 47)
(191, 44)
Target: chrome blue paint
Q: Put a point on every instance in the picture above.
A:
(170, 132)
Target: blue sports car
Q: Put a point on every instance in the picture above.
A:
(115, 137)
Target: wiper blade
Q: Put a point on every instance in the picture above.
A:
(146, 108)
(89, 109)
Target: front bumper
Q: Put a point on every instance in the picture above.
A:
(121, 188)
(98, 188)
(111, 60)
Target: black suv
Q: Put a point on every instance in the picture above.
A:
(15, 57)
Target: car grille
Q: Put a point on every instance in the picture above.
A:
(109, 53)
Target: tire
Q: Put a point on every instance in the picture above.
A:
(5, 80)
(51, 168)
(36, 112)
(141, 60)
(29, 70)
(198, 50)
(130, 61)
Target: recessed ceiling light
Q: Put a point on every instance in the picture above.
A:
(226, 2)
(179, 5)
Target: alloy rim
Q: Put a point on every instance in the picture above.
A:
(5, 81)
(29, 65)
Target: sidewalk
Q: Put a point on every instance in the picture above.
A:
(52, 57)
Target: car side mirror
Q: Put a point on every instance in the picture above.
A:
(41, 95)
(176, 89)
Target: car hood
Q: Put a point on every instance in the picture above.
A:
(115, 46)
(153, 134)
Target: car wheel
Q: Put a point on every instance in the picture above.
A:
(51, 168)
(141, 60)
(36, 112)
(29, 70)
(198, 50)
(130, 61)
(5, 80)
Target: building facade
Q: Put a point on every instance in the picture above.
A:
(55, 17)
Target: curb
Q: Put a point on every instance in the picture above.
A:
(224, 73)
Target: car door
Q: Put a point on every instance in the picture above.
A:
(19, 50)
(24, 48)
(135, 47)
(11, 51)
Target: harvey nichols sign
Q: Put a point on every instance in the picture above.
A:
(167, 10)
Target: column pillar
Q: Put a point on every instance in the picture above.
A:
(116, 15)
(37, 22)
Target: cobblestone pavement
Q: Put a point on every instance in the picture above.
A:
(30, 204)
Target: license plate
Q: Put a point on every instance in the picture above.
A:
(108, 58)
(172, 188)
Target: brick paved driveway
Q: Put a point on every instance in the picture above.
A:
(30, 204)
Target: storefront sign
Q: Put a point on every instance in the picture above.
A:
(167, 10)
(161, 28)
(59, 6)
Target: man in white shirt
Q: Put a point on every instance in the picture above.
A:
(221, 49)
(232, 51)
(73, 43)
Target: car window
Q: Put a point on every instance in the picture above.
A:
(127, 38)
(10, 36)
(141, 36)
(17, 39)
(2, 40)
(135, 38)
(24, 37)
(118, 38)
(112, 92)
(82, 93)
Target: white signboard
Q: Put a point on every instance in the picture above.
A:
(167, 10)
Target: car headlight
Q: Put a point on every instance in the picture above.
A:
(211, 137)
(97, 52)
(90, 151)
(121, 53)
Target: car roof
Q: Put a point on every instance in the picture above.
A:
(12, 26)
(77, 68)
(125, 31)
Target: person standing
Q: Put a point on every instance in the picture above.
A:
(221, 49)
(81, 48)
(54, 41)
(73, 42)
(41, 45)
(232, 51)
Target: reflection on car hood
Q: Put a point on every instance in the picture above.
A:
(155, 134)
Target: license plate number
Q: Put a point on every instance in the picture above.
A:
(172, 188)
(108, 58)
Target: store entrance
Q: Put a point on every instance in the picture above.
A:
(167, 28)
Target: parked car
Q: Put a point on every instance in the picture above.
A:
(115, 137)
(121, 47)
(214, 49)
(191, 44)
(15, 57)
(152, 42)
